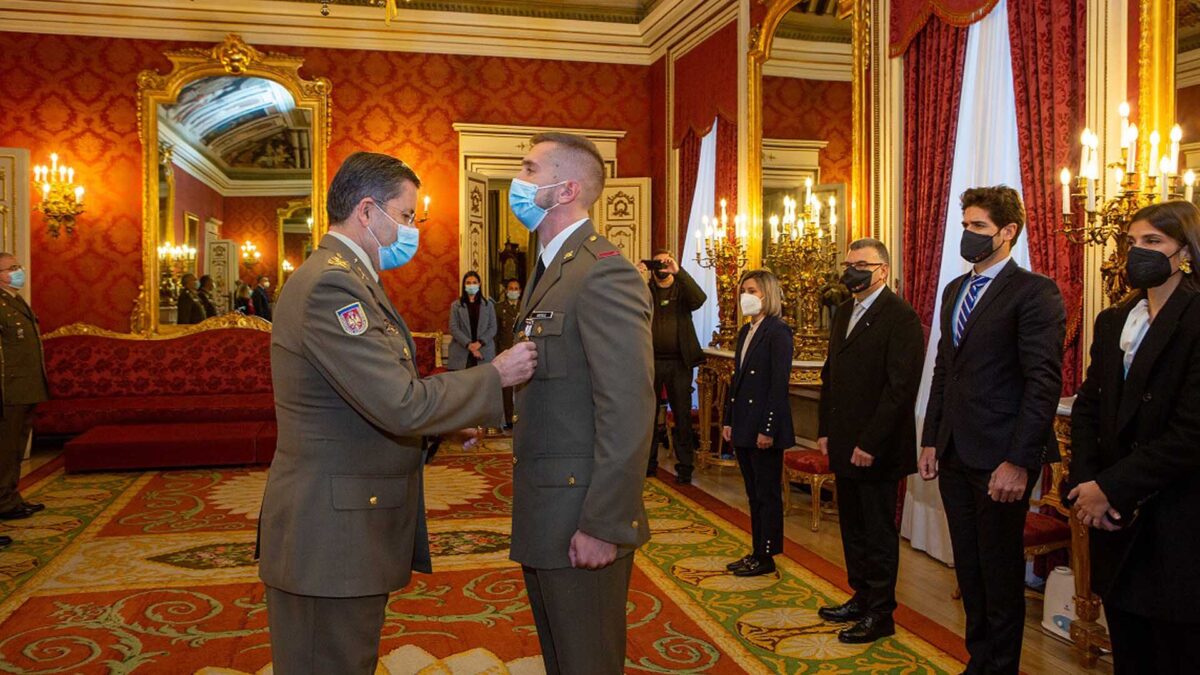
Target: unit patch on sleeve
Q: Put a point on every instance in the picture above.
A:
(353, 318)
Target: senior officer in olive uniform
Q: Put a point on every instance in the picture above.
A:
(583, 423)
(22, 385)
(343, 518)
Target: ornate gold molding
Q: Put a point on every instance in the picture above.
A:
(1156, 72)
(233, 57)
(230, 320)
(281, 215)
(761, 37)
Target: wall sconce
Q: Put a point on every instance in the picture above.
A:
(287, 266)
(169, 256)
(62, 200)
(251, 256)
(426, 216)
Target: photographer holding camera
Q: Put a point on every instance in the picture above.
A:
(676, 351)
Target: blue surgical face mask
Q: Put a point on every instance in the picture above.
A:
(472, 289)
(521, 198)
(400, 251)
(16, 278)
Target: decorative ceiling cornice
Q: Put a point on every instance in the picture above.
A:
(629, 11)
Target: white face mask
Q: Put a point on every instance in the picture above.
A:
(513, 295)
(751, 304)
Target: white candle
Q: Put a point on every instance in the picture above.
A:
(45, 190)
(808, 183)
(1164, 180)
(1084, 139)
(1119, 177)
(774, 221)
(1065, 177)
(1091, 194)
(1189, 180)
(70, 175)
(79, 195)
(53, 162)
(1155, 166)
(1131, 158)
(1176, 136)
(1123, 111)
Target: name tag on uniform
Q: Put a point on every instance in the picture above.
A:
(542, 315)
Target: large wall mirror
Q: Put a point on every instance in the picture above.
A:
(235, 144)
(807, 87)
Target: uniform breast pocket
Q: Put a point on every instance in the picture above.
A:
(362, 493)
(545, 328)
(564, 472)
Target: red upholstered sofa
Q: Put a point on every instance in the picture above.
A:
(218, 371)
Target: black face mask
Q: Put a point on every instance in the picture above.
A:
(662, 275)
(856, 280)
(976, 247)
(1147, 268)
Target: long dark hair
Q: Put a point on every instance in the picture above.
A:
(463, 297)
(1179, 220)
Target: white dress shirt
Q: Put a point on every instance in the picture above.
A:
(358, 251)
(1137, 324)
(990, 273)
(550, 250)
(861, 307)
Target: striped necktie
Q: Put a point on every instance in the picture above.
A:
(968, 304)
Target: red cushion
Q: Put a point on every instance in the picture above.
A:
(426, 356)
(808, 461)
(1042, 529)
(143, 446)
(224, 361)
(72, 416)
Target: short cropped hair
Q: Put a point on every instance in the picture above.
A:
(867, 242)
(769, 285)
(584, 151)
(366, 174)
(1002, 203)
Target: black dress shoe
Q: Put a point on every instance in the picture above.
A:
(681, 479)
(34, 508)
(740, 562)
(870, 629)
(756, 568)
(850, 611)
(5, 541)
(18, 513)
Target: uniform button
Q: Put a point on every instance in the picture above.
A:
(1147, 397)
(373, 500)
(635, 523)
(752, 372)
(514, 418)
(571, 479)
(406, 355)
(514, 459)
(751, 401)
(538, 330)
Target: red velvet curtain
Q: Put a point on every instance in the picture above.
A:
(1050, 80)
(933, 77)
(727, 163)
(689, 166)
(908, 17)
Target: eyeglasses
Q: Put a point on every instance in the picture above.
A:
(861, 265)
(408, 218)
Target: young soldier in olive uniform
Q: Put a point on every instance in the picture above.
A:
(22, 384)
(583, 423)
(343, 517)
(507, 309)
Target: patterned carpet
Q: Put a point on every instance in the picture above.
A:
(153, 573)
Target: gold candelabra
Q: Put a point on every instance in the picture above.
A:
(720, 248)
(173, 263)
(804, 259)
(1105, 219)
(251, 256)
(62, 199)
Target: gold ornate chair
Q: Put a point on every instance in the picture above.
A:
(801, 465)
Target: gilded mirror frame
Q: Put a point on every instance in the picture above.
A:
(762, 37)
(232, 57)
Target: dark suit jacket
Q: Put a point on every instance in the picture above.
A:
(758, 394)
(1138, 437)
(190, 310)
(869, 389)
(690, 298)
(996, 394)
(262, 304)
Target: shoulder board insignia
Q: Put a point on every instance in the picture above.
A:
(353, 319)
(568, 255)
(608, 254)
(594, 237)
(338, 261)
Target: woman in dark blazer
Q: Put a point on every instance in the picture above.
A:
(758, 416)
(472, 325)
(1135, 437)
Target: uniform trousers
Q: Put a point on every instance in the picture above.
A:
(580, 617)
(14, 437)
(1151, 646)
(676, 377)
(867, 511)
(762, 471)
(989, 562)
(313, 635)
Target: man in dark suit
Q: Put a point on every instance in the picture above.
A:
(262, 298)
(989, 423)
(189, 310)
(867, 428)
(677, 352)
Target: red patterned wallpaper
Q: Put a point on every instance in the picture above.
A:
(255, 219)
(192, 196)
(813, 110)
(77, 96)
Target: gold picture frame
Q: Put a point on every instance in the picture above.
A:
(232, 57)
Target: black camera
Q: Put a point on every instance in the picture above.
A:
(654, 265)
